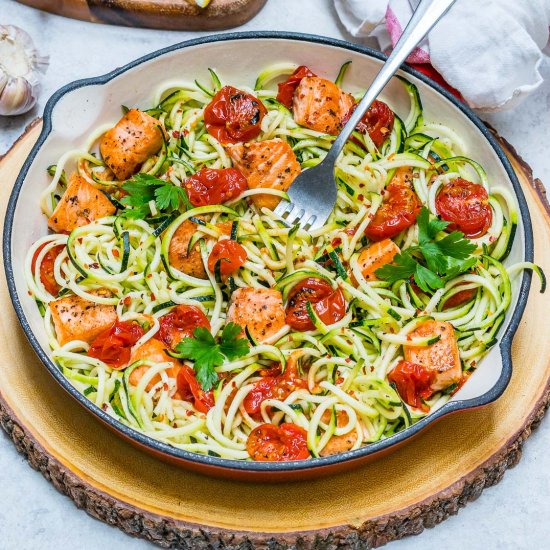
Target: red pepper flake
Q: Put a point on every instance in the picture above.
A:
(127, 301)
(372, 368)
(104, 406)
(371, 216)
(153, 298)
(95, 265)
(339, 380)
(337, 241)
(165, 386)
(189, 413)
(175, 134)
(347, 360)
(185, 132)
(116, 253)
(361, 198)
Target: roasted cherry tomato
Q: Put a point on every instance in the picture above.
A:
(180, 323)
(413, 383)
(230, 254)
(288, 87)
(460, 298)
(46, 267)
(398, 211)
(234, 116)
(329, 304)
(466, 205)
(215, 186)
(377, 122)
(114, 345)
(189, 389)
(428, 70)
(269, 443)
(274, 386)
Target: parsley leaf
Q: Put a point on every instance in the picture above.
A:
(231, 345)
(206, 354)
(402, 267)
(456, 246)
(170, 196)
(428, 229)
(427, 280)
(442, 259)
(144, 188)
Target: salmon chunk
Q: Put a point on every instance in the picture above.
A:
(191, 263)
(81, 204)
(135, 138)
(259, 309)
(269, 164)
(155, 351)
(441, 358)
(75, 318)
(320, 105)
(338, 443)
(375, 256)
(403, 176)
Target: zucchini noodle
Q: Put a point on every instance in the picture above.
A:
(345, 365)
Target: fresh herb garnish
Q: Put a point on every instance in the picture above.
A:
(144, 188)
(207, 354)
(444, 258)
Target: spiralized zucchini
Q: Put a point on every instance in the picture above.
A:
(345, 364)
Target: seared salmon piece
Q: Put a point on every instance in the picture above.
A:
(270, 164)
(225, 228)
(320, 105)
(403, 176)
(338, 443)
(191, 263)
(75, 318)
(442, 358)
(259, 309)
(81, 204)
(135, 138)
(155, 351)
(375, 256)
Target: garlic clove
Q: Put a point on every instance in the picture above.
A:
(17, 97)
(20, 68)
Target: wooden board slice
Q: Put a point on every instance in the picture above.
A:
(156, 14)
(417, 487)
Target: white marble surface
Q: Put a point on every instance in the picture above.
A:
(514, 514)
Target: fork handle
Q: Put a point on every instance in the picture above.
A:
(426, 15)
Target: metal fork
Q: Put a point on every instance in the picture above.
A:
(313, 193)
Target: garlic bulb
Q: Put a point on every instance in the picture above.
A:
(20, 65)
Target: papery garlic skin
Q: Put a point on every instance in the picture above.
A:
(20, 67)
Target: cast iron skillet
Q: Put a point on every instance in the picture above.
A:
(269, 471)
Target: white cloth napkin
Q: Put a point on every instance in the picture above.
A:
(489, 50)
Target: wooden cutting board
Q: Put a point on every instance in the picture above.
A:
(156, 14)
(418, 486)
